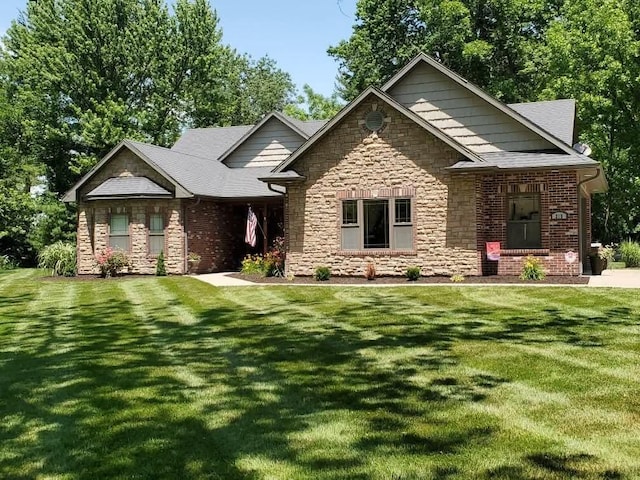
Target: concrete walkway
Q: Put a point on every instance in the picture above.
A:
(222, 280)
(609, 278)
(623, 278)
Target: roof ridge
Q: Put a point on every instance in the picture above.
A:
(171, 150)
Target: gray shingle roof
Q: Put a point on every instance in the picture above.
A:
(205, 177)
(556, 116)
(522, 160)
(209, 142)
(309, 126)
(129, 187)
(213, 142)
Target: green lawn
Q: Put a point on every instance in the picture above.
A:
(172, 378)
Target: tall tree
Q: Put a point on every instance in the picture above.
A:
(312, 105)
(91, 73)
(591, 53)
(77, 76)
(490, 42)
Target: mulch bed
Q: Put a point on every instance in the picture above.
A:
(495, 280)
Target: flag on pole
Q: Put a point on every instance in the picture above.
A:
(252, 223)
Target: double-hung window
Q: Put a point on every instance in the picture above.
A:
(156, 233)
(523, 224)
(376, 224)
(119, 231)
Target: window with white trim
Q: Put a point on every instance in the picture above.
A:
(156, 233)
(119, 231)
(377, 224)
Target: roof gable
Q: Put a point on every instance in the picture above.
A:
(387, 100)
(266, 145)
(269, 119)
(465, 112)
(135, 148)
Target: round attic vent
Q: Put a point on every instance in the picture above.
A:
(374, 121)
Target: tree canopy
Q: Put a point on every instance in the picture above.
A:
(524, 50)
(78, 76)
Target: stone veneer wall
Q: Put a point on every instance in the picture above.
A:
(93, 220)
(403, 155)
(93, 234)
(558, 192)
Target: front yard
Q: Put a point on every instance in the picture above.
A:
(172, 378)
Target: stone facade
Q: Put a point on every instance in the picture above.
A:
(352, 162)
(93, 220)
(558, 193)
(93, 234)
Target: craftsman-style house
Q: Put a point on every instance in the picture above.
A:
(426, 171)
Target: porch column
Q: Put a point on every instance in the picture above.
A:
(265, 245)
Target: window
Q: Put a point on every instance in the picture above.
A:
(376, 223)
(380, 224)
(156, 233)
(523, 224)
(119, 231)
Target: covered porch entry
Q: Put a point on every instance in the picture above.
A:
(215, 231)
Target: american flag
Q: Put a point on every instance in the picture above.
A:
(252, 223)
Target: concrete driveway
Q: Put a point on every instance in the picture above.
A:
(627, 278)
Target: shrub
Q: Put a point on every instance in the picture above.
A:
(532, 269)
(161, 270)
(457, 278)
(322, 273)
(60, 257)
(630, 253)
(271, 265)
(6, 263)
(111, 262)
(370, 271)
(413, 273)
(253, 265)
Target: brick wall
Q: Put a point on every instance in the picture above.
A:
(403, 155)
(558, 192)
(210, 234)
(93, 234)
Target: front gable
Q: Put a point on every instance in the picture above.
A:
(265, 146)
(460, 113)
(124, 161)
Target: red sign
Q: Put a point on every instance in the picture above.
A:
(493, 251)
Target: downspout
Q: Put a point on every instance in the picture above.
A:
(580, 215)
(270, 187)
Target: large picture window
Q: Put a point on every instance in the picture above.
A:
(119, 231)
(156, 233)
(523, 224)
(377, 224)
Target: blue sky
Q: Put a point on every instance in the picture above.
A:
(295, 33)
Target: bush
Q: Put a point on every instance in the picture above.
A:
(60, 257)
(370, 271)
(457, 278)
(413, 273)
(161, 270)
(322, 273)
(532, 269)
(254, 265)
(271, 265)
(6, 263)
(111, 262)
(630, 253)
